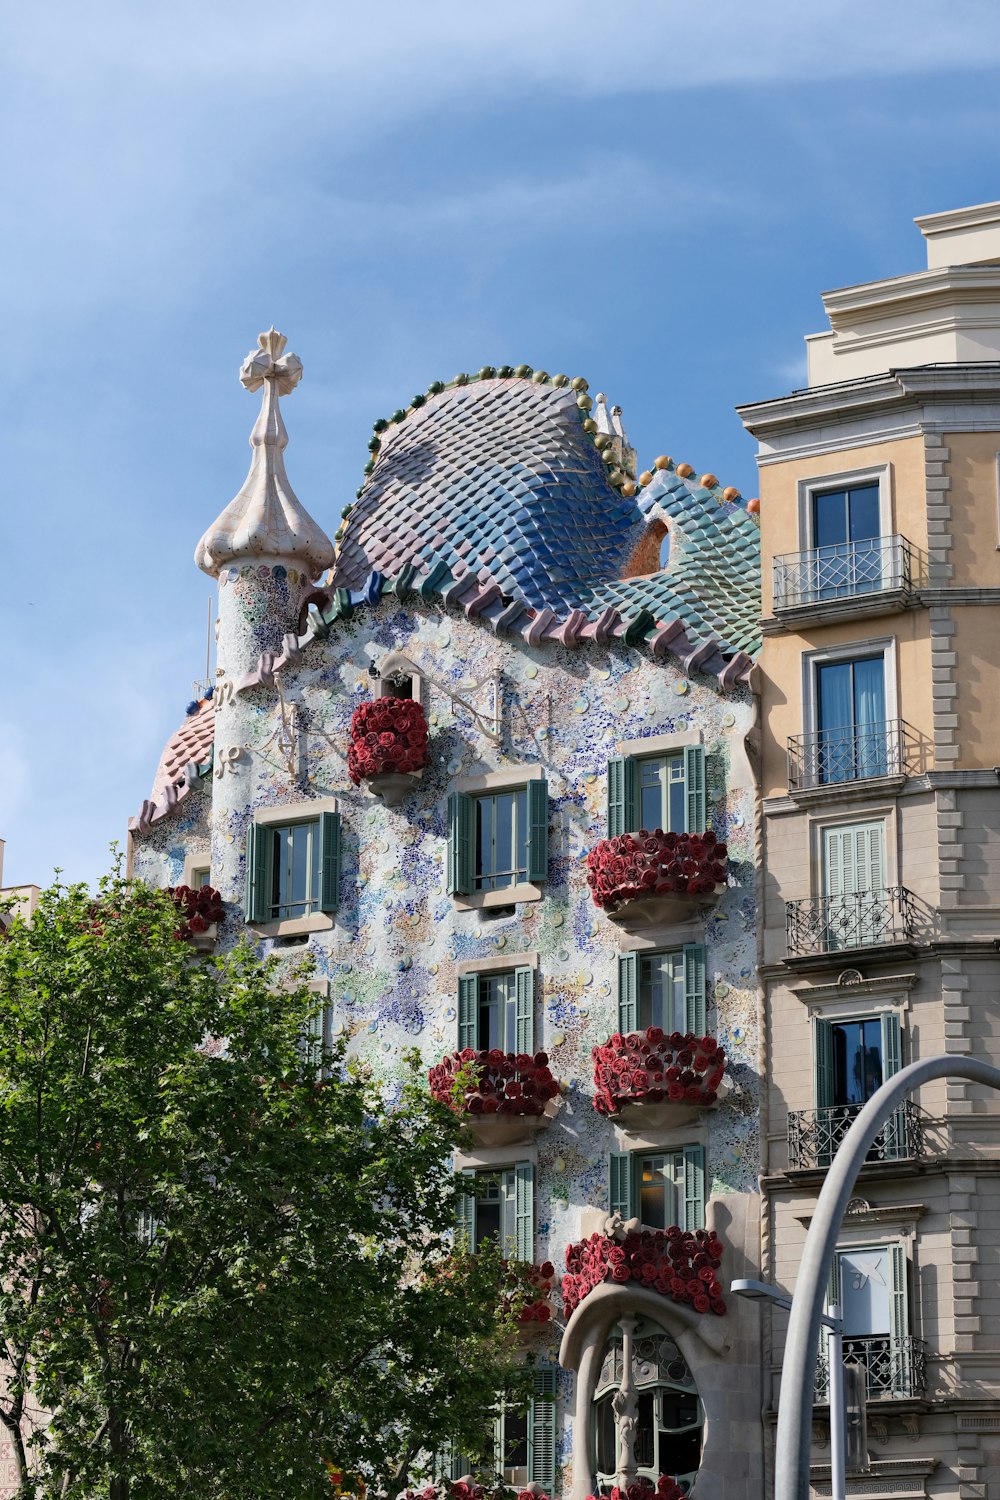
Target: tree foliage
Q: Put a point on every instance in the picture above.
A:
(221, 1265)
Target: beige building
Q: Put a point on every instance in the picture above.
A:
(880, 763)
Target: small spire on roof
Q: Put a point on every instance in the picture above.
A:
(266, 519)
(611, 423)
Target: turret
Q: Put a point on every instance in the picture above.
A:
(265, 549)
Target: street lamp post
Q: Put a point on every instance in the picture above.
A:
(799, 1368)
(763, 1291)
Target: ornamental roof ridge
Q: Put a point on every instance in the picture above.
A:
(266, 518)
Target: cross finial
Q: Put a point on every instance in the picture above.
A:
(266, 363)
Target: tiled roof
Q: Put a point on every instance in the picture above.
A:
(189, 747)
(497, 478)
(503, 481)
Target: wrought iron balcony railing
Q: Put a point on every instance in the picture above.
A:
(847, 570)
(852, 753)
(894, 1367)
(865, 919)
(815, 1134)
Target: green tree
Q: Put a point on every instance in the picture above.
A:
(222, 1262)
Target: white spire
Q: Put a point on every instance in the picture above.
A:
(266, 519)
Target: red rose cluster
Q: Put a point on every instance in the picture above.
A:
(199, 907)
(494, 1082)
(644, 1489)
(678, 1264)
(461, 1491)
(655, 864)
(387, 735)
(542, 1280)
(647, 1066)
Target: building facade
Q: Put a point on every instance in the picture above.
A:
(880, 835)
(477, 886)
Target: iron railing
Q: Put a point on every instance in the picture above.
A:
(815, 1134)
(864, 919)
(845, 571)
(852, 753)
(894, 1367)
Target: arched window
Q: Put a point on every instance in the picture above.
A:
(671, 1417)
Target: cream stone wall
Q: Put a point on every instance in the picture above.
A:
(972, 468)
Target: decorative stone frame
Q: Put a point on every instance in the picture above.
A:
(295, 812)
(397, 662)
(193, 861)
(701, 1340)
(507, 779)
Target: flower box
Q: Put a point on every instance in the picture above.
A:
(201, 910)
(505, 1096)
(655, 876)
(676, 1263)
(388, 748)
(642, 1488)
(652, 1071)
(531, 1304)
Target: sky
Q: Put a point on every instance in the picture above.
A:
(649, 193)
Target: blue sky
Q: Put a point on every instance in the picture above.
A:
(649, 193)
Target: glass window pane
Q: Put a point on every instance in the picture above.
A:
(656, 1191)
(677, 797)
(651, 800)
(515, 1443)
(645, 1437)
(661, 991)
(864, 522)
(865, 1291)
(484, 843)
(489, 1214)
(857, 1061)
(489, 1029)
(830, 518)
(503, 839)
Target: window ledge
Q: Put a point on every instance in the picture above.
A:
(319, 921)
(860, 790)
(510, 895)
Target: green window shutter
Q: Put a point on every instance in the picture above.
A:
(622, 1184)
(542, 1430)
(694, 988)
(456, 1464)
(623, 798)
(329, 882)
(694, 1188)
(694, 785)
(891, 1044)
(900, 1322)
(260, 842)
(524, 1210)
(459, 844)
(628, 992)
(524, 1014)
(465, 1219)
(833, 1294)
(538, 830)
(894, 1131)
(824, 1065)
(468, 1007)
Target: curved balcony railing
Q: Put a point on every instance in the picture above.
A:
(815, 1134)
(855, 752)
(894, 1367)
(863, 919)
(848, 570)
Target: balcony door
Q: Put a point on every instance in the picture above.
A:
(852, 741)
(855, 911)
(847, 541)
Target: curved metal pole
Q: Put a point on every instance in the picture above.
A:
(798, 1377)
